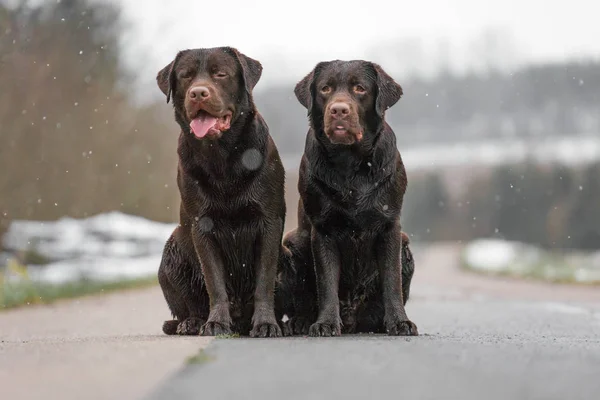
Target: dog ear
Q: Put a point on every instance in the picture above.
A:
(388, 91)
(251, 69)
(167, 78)
(304, 89)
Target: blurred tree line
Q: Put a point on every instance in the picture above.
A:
(547, 205)
(535, 101)
(73, 143)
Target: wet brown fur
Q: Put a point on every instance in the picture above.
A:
(218, 268)
(350, 265)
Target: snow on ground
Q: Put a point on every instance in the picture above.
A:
(105, 247)
(522, 260)
(490, 255)
(115, 246)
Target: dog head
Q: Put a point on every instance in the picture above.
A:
(210, 88)
(347, 99)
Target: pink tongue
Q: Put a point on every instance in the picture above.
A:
(202, 124)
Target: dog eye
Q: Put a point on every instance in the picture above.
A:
(186, 73)
(221, 74)
(359, 89)
(325, 89)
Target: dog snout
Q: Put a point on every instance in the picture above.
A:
(199, 93)
(339, 110)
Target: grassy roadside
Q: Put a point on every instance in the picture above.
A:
(539, 272)
(26, 293)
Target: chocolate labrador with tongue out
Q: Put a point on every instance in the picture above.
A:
(219, 266)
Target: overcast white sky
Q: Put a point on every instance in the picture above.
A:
(290, 37)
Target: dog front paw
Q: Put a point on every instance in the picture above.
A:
(215, 328)
(325, 329)
(266, 330)
(401, 328)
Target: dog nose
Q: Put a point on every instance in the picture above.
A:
(199, 93)
(339, 109)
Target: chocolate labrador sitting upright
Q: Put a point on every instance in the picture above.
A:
(219, 266)
(352, 183)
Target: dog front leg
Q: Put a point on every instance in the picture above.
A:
(213, 269)
(327, 269)
(390, 273)
(264, 323)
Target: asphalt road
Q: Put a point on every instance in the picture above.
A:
(94, 348)
(482, 338)
(470, 349)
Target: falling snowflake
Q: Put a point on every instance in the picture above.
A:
(206, 224)
(252, 159)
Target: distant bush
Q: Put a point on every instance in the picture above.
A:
(550, 206)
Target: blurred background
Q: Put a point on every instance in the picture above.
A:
(499, 127)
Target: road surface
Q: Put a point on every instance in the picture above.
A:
(470, 350)
(482, 338)
(95, 348)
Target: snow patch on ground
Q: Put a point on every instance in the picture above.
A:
(106, 247)
(522, 260)
(491, 255)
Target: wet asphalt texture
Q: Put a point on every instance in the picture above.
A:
(468, 349)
